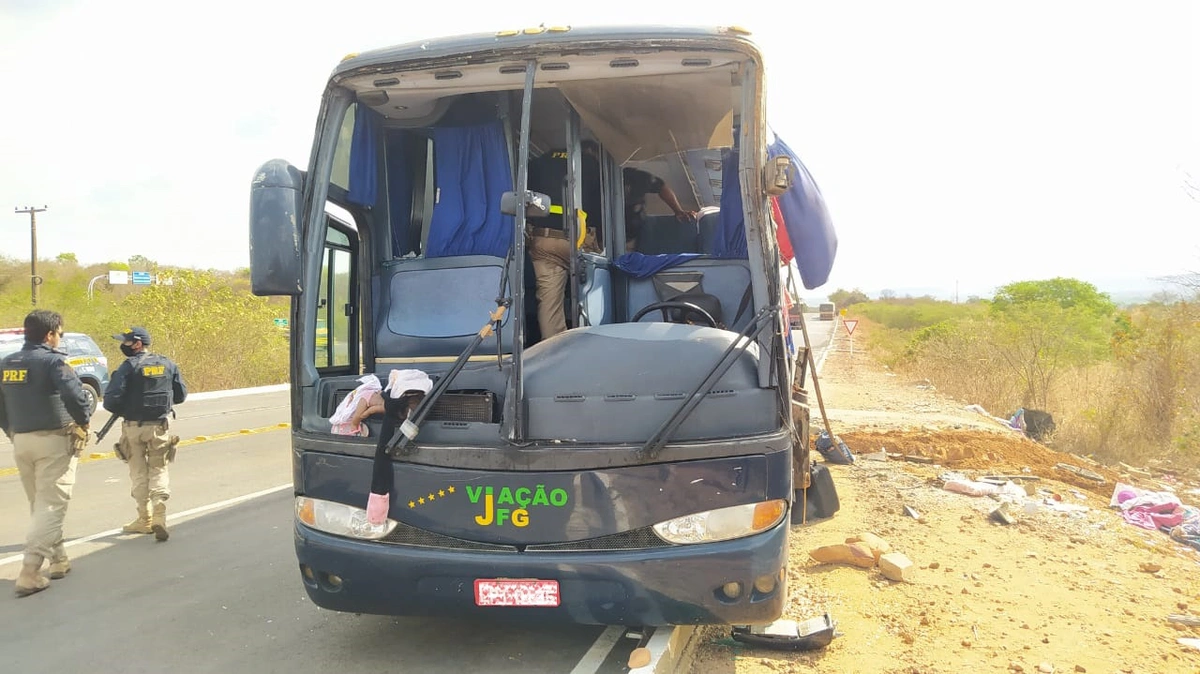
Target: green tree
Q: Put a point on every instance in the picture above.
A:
(142, 263)
(67, 258)
(1041, 328)
(1067, 293)
(844, 298)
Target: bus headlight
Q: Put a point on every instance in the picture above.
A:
(340, 519)
(722, 524)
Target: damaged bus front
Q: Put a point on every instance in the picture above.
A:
(636, 468)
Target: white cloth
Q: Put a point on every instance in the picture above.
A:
(402, 381)
(368, 384)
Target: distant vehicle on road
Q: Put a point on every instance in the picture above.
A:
(82, 354)
(828, 311)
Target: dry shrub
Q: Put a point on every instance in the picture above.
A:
(208, 322)
(1139, 405)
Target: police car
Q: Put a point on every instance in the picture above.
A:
(82, 354)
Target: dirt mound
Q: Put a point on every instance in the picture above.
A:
(999, 453)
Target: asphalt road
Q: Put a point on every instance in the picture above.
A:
(224, 594)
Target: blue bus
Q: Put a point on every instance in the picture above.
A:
(637, 468)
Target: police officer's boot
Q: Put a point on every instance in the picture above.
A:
(60, 567)
(142, 524)
(158, 522)
(31, 580)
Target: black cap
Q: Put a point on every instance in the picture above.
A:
(134, 334)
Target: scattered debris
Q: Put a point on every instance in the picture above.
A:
(912, 458)
(877, 545)
(895, 566)
(1000, 514)
(1081, 472)
(1189, 620)
(833, 449)
(912, 512)
(1149, 567)
(810, 635)
(1135, 471)
(856, 554)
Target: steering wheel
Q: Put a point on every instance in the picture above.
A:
(675, 304)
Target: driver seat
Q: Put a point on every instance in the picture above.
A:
(687, 286)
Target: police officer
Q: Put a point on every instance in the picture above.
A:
(142, 392)
(638, 184)
(549, 249)
(44, 411)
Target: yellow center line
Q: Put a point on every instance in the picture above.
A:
(100, 456)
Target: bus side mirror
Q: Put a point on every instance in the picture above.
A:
(536, 204)
(275, 207)
(779, 175)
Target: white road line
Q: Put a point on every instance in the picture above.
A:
(212, 395)
(178, 516)
(591, 661)
(828, 345)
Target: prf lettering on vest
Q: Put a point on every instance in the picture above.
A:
(154, 370)
(15, 376)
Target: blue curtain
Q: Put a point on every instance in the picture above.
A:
(364, 171)
(472, 171)
(640, 265)
(730, 239)
(806, 220)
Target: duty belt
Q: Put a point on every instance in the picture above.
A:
(155, 422)
(547, 232)
(558, 233)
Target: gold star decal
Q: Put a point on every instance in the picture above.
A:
(421, 500)
(411, 504)
(450, 489)
(441, 492)
(431, 496)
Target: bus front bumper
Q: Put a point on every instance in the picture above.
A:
(679, 585)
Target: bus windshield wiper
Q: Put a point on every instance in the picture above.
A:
(748, 335)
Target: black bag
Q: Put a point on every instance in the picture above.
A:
(819, 501)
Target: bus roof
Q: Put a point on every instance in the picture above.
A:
(539, 37)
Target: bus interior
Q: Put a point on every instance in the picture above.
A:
(416, 245)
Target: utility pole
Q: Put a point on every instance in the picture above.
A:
(34, 279)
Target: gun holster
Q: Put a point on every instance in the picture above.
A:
(173, 446)
(79, 438)
(119, 449)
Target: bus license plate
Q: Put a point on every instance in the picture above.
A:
(505, 592)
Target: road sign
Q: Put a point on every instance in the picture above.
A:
(118, 277)
(141, 278)
(850, 324)
(281, 322)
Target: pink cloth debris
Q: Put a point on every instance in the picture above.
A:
(1154, 516)
(377, 508)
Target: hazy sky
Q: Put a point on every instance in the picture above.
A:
(953, 141)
